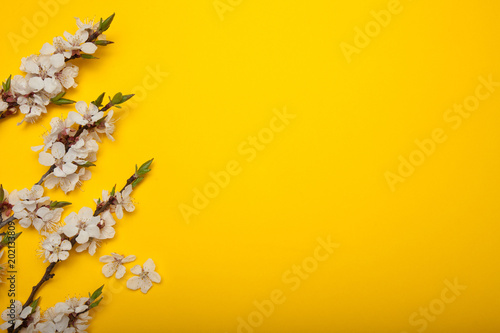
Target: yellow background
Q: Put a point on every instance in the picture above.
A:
(322, 176)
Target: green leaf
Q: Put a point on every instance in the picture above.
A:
(87, 164)
(34, 304)
(144, 169)
(103, 42)
(59, 204)
(98, 101)
(96, 294)
(103, 26)
(96, 303)
(57, 97)
(117, 98)
(137, 181)
(126, 98)
(6, 85)
(63, 101)
(113, 191)
(6, 239)
(88, 56)
(2, 194)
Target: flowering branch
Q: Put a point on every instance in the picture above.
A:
(84, 229)
(48, 74)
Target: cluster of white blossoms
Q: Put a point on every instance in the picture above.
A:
(48, 73)
(31, 208)
(70, 316)
(86, 230)
(71, 146)
(146, 274)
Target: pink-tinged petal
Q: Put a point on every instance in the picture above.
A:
(70, 230)
(63, 255)
(155, 277)
(47, 49)
(25, 222)
(120, 272)
(137, 269)
(149, 265)
(146, 285)
(67, 35)
(106, 259)
(129, 259)
(92, 248)
(69, 168)
(58, 150)
(37, 191)
(58, 172)
(81, 36)
(85, 213)
(31, 67)
(50, 85)
(26, 312)
(81, 248)
(57, 60)
(46, 159)
(93, 231)
(83, 237)
(51, 181)
(108, 270)
(134, 283)
(119, 212)
(81, 107)
(53, 257)
(38, 224)
(107, 233)
(66, 245)
(75, 117)
(88, 48)
(127, 191)
(36, 83)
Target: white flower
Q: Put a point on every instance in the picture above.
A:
(87, 24)
(114, 264)
(55, 248)
(78, 42)
(63, 161)
(84, 225)
(147, 276)
(106, 225)
(41, 71)
(20, 86)
(49, 220)
(124, 202)
(27, 217)
(55, 319)
(29, 199)
(86, 147)
(107, 126)
(67, 184)
(59, 127)
(86, 115)
(33, 106)
(76, 309)
(15, 314)
(31, 320)
(67, 76)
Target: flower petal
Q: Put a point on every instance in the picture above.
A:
(134, 283)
